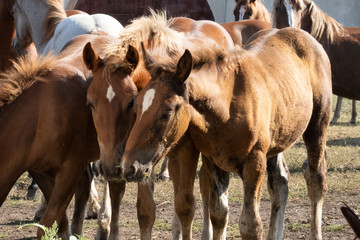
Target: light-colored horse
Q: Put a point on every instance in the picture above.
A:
(45, 23)
(251, 9)
(238, 107)
(342, 44)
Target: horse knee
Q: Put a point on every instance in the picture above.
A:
(185, 207)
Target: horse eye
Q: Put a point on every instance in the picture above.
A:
(166, 116)
(130, 105)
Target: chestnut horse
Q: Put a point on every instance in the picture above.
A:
(56, 28)
(342, 44)
(251, 9)
(113, 75)
(238, 107)
(51, 92)
(58, 140)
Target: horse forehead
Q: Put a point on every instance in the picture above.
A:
(147, 100)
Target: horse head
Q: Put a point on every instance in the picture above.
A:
(23, 36)
(162, 117)
(111, 97)
(288, 13)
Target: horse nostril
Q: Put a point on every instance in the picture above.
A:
(131, 173)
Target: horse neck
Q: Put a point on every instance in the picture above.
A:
(211, 92)
(35, 16)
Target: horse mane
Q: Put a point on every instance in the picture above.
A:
(154, 30)
(24, 73)
(206, 54)
(323, 24)
(261, 13)
(54, 16)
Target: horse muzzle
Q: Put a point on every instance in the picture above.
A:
(135, 172)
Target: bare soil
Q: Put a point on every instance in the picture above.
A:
(17, 210)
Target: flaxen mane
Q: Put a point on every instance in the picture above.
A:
(323, 24)
(22, 75)
(55, 15)
(155, 30)
(206, 54)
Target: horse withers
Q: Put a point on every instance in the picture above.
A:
(250, 113)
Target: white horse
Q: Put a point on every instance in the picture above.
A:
(44, 22)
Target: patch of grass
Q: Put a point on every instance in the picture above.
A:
(333, 228)
(4, 235)
(162, 225)
(297, 226)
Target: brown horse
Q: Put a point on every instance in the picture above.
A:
(238, 107)
(59, 138)
(114, 72)
(251, 9)
(342, 44)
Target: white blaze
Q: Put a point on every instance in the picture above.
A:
(290, 13)
(242, 12)
(147, 101)
(110, 94)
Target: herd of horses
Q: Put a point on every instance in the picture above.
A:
(237, 93)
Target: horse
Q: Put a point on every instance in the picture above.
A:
(251, 9)
(56, 28)
(114, 73)
(7, 32)
(238, 107)
(342, 44)
(58, 140)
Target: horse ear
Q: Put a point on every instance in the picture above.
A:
(90, 57)
(147, 58)
(132, 57)
(184, 66)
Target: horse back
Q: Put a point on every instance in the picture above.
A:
(241, 31)
(195, 30)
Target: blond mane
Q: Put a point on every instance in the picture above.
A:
(154, 30)
(22, 75)
(55, 15)
(322, 24)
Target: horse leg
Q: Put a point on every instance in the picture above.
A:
(353, 112)
(214, 182)
(103, 230)
(278, 175)
(146, 209)
(109, 219)
(46, 185)
(204, 179)
(31, 191)
(117, 190)
(253, 173)
(337, 110)
(93, 204)
(66, 181)
(315, 173)
(164, 172)
(81, 197)
(183, 161)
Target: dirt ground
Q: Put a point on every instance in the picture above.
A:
(17, 210)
